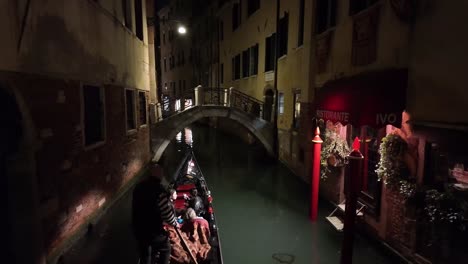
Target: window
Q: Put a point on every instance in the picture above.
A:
(221, 74)
(93, 114)
(252, 6)
(300, 35)
(165, 65)
(281, 103)
(283, 35)
(246, 63)
(221, 30)
(171, 35)
(356, 6)
(130, 109)
(270, 58)
(139, 19)
(235, 16)
(142, 108)
(127, 14)
(254, 60)
(171, 62)
(297, 109)
(236, 67)
(326, 15)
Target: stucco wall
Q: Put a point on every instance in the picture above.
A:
(438, 63)
(74, 39)
(253, 29)
(176, 46)
(392, 44)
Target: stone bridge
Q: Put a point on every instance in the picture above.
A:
(165, 130)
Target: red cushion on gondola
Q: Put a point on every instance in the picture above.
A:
(185, 187)
(180, 194)
(179, 204)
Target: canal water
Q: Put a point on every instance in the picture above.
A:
(261, 210)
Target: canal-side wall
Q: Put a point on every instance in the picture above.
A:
(76, 182)
(52, 54)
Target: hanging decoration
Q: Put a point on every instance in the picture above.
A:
(334, 151)
(391, 168)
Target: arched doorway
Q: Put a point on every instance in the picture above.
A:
(10, 135)
(18, 181)
(268, 105)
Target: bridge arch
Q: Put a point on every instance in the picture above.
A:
(163, 132)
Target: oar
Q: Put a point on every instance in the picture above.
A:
(186, 246)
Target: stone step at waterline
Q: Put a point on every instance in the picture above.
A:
(335, 222)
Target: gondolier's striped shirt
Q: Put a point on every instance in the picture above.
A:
(167, 210)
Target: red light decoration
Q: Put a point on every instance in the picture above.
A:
(210, 199)
(356, 144)
(210, 210)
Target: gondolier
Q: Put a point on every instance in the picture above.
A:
(151, 207)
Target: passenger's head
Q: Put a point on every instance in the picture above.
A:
(190, 214)
(173, 194)
(194, 192)
(156, 171)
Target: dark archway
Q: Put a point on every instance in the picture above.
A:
(10, 135)
(268, 105)
(18, 181)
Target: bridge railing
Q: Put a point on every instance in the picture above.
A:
(171, 105)
(246, 103)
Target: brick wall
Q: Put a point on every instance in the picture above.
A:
(75, 183)
(400, 228)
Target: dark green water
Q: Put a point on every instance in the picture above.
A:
(260, 206)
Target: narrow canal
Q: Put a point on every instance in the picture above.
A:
(260, 206)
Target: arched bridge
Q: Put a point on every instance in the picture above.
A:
(165, 130)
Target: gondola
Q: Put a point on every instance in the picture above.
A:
(187, 177)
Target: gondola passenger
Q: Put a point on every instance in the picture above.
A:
(196, 202)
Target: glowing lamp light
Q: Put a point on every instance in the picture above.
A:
(182, 30)
(356, 144)
(210, 199)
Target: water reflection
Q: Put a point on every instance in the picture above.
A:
(188, 139)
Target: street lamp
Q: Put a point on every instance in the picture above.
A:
(182, 30)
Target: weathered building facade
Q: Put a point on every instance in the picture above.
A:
(248, 50)
(175, 59)
(77, 75)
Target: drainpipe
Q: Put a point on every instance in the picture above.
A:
(275, 116)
